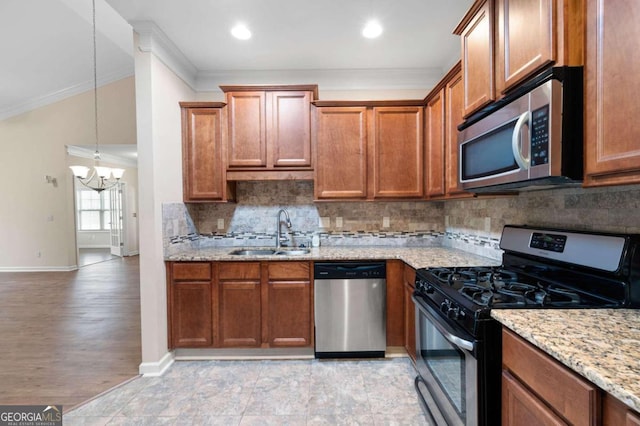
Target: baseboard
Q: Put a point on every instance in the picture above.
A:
(38, 268)
(93, 246)
(133, 253)
(155, 369)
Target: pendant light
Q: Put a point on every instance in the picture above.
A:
(101, 177)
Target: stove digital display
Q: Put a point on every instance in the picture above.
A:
(549, 242)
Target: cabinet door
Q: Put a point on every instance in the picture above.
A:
(409, 312)
(522, 408)
(239, 314)
(397, 152)
(612, 130)
(289, 304)
(203, 168)
(341, 146)
(247, 129)
(290, 314)
(477, 59)
(453, 117)
(191, 318)
(435, 141)
(395, 303)
(289, 128)
(525, 41)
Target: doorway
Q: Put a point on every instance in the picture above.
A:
(100, 225)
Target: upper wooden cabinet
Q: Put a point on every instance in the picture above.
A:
(525, 39)
(506, 41)
(269, 131)
(443, 114)
(203, 165)
(397, 152)
(612, 132)
(340, 141)
(476, 34)
(368, 150)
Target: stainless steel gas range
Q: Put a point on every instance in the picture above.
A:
(459, 344)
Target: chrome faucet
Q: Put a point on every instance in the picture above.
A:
(287, 222)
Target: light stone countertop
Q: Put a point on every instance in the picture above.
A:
(602, 345)
(417, 257)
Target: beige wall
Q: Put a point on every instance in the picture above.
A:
(37, 217)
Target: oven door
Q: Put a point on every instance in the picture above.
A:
(447, 384)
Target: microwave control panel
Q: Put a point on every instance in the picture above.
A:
(540, 136)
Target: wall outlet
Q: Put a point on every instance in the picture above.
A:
(50, 218)
(324, 222)
(385, 222)
(338, 222)
(487, 224)
(220, 223)
(38, 254)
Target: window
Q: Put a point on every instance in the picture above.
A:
(93, 210)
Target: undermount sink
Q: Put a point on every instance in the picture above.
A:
(269, 252)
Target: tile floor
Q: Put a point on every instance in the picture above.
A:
(303, 392)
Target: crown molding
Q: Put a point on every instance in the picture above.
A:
(153, 40)
(84, 152)
(62, 94)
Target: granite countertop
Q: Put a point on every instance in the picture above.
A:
(603, 345)
(417, 257)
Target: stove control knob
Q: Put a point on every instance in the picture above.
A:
(445, 306)
(429, 289)
(453, 313)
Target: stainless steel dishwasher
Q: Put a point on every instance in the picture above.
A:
(350, 309)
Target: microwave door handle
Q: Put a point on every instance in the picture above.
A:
(516, 140)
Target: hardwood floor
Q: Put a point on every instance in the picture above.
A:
(90, 256)
(65, 337)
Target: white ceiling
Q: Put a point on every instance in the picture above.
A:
(46, 53)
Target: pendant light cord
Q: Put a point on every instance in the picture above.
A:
(96, 155)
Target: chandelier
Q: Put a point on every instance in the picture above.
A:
(101, 177)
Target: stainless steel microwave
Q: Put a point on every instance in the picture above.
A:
(531, 139)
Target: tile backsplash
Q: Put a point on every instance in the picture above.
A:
(472, 225)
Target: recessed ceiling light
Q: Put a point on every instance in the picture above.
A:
(241, 32)
(372, 30)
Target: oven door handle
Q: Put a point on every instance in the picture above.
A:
(453, 339)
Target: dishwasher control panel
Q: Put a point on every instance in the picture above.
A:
(352, 270)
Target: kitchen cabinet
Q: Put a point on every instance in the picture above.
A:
(616, 413)
(612, 151)
(289, 304)
(434, 141)
(340, 135)
(239, 304)
(409, 312)
(504, 42)
(269, 131)
(443, 114)
(368, 150)
(536, 389)
(395, 303)
(203, 166)
(476, 34)
(189, 296)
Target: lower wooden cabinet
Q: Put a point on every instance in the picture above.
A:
(189, 296)
(240, 304)
(409, 312)
(289, 305)
(536, 389)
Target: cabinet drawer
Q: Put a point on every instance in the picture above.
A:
(239, 270)
(289, 270)
(568, 394)
(191, 271)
